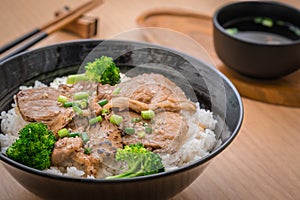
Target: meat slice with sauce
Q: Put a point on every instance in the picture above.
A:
(69, 152)
(41, 105)
(148, 91)
(104, 140)
(167, 131)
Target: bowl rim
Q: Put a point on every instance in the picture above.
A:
(219, 27)
(194, 164)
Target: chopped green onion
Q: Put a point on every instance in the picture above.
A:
(68, 104)
(77, 110)
(141, 134)
(95, 120)
(267, 22)
(81, 95)
(148, 130)
(103, 102)
(116, 90)
(104, 111)
(88, 150)
(232, 31)
(63, 132)
(116, 119)
(145, 124)
(75, 134)
(83, 104)
(148, 114)
(84, 137)
(135, 120)
(62, 99)
(129, 131)
(76, 78)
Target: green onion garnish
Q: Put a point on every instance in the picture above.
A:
(75, 134)
(81, 95)
(104, 111)
(148, 130)
(141, 134)
(84, 137)
(62, 99)
(116, 119)
(95, 120)
(103, 102)
(116, 90)
(68, 104)
(135, 120)
(129, 131)
(148, 114)
(77, 110)
(63, 132)
(76, 78)
(88, 150)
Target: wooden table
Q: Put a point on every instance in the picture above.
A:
(263, 162)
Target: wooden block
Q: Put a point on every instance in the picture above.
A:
(85, 26)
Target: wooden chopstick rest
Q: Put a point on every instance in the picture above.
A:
(85, 26)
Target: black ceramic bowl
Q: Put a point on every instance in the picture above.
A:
(213, 90)
(258, 39)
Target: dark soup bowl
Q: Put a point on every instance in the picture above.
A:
(259, 39)
(200, 82)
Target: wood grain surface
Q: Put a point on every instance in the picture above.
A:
(282, 91)
(262, 163)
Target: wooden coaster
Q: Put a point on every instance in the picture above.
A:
(283, 91)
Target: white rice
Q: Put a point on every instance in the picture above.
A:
(198, 142)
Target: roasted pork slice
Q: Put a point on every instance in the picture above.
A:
(147, 91)
(41, 105)
(105, 138)
(69, 152)
(164, 133)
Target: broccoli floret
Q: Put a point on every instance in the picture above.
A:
(140, 161)
(34, 146)
(103, 70)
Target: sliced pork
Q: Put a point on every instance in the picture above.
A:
(41, 105)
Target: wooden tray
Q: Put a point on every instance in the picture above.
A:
(284, 91)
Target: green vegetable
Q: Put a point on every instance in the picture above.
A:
(103, 102)
(148, 130)
(103, 70)
(141, 134)
(63, 132)
(68, 104)
(72, 79)
(34, 146)
(88, 150)
(267, 22)
(77, 110)
(81, 104)
(129, 131)
(148, 114)
(95, 120)
(232, 31)
(116, 90)
(135, 120)
(62, 99)
(140, 161)
(116, 119)
(80, 95)
(75, 134)
(84, 137)
(104, 111)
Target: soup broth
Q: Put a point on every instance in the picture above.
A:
(263, 30)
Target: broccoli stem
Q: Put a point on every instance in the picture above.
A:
(128, 173)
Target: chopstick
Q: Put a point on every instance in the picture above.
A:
(42, 32)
